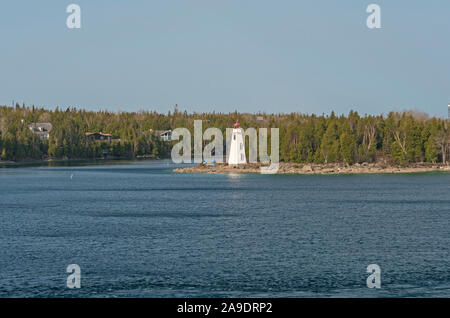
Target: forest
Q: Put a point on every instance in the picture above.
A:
(396, 138)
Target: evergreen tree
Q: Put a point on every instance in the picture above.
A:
(400, 137)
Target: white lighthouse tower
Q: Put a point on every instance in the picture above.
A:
(237, 147)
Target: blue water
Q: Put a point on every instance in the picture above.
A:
(138, 230)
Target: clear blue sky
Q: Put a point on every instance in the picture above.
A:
(251, 55)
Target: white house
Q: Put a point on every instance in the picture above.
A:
(165, 135)
(237, 146)
(41, 129)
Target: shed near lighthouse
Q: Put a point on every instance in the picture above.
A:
(237, 146)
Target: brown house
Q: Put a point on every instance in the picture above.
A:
(98, 136)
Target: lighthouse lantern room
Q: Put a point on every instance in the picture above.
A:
(237, 146)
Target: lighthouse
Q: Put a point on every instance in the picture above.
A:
(237, 147)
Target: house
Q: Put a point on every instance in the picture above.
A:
(98, 136)
(164, 135)
(41, 129)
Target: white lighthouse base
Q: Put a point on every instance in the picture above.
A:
(237, 148)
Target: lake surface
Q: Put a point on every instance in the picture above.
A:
(138, 230)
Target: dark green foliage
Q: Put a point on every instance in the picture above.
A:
(400, 138)
(132, 134)
(348, 146)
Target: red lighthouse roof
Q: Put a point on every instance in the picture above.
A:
(236, 125)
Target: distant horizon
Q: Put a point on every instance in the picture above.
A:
(181, 110)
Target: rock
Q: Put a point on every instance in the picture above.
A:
(307, 168)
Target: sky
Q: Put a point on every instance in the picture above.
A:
(311, 56)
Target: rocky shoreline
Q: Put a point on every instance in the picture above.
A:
(294, 168)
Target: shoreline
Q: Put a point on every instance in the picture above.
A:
(254, 168)
(68, 162)
(316, 169)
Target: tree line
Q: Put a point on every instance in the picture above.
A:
(397, 138)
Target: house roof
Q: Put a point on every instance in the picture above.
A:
(162, 132)
(96, 133)
(46, 126)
